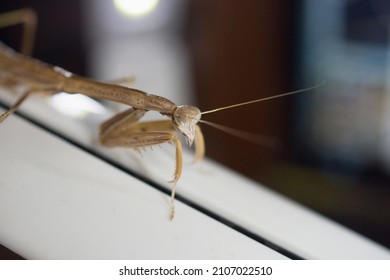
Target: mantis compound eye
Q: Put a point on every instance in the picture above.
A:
(185, 119)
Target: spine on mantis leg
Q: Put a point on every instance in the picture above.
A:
(129, 96)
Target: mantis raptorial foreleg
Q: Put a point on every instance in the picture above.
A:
(124, 130)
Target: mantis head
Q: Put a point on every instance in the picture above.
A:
(185, 119)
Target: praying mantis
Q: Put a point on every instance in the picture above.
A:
(123, 129)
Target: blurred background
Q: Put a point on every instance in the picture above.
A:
(335, 152)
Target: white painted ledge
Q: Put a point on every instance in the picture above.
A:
(57, 201)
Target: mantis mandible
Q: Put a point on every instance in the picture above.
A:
(123, 129)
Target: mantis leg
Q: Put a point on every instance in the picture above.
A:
(28, 18)
(123, 130)
(14, 107)
(19, 101)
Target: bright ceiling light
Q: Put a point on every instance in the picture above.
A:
(135, 8)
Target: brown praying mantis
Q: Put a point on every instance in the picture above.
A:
(123, 129)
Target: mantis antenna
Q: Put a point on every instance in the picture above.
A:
(262, 99)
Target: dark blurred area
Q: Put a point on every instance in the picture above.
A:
(59, 32)
(334, 157)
